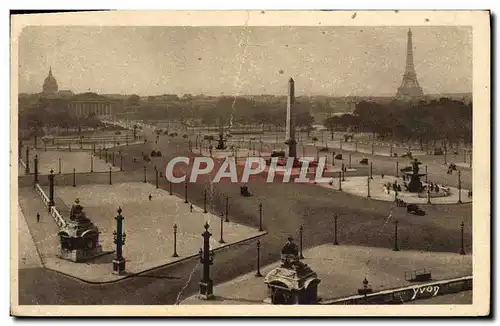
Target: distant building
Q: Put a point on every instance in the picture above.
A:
(79, 105)
(50, 86)
(85, 104)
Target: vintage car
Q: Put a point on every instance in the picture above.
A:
(415, 210)
(364, 161)
(275, 153)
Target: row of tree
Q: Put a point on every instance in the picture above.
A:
(432, 121)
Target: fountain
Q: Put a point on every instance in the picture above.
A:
(415, 185)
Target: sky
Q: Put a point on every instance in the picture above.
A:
(332, 61)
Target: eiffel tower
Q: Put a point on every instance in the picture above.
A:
(410, 89)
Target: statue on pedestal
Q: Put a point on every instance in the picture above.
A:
(415, 185)
(80, 237)
(293, 282)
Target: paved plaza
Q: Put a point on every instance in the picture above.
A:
(148, 225)
(359, 186)
(342, 269)
(78, 160)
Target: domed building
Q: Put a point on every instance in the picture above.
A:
(50, 85)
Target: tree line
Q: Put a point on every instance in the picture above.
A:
(444, 120)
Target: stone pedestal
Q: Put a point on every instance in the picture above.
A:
(206, 290)
(119, 266)
(79, 238)
(292, 283)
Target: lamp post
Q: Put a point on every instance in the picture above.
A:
(51, 188)
(205, 201)
(445, 152)
(110, 176)
(175, 241)
(260, 218)
(368, 187)
(258, 274)
(349, 160)
(459, 187)
(170, 188)
(335, 218)
(60, 166)
(397, 169)
(396, 247)
(221, 240)
(156, 177)
(91, 162)
(113, 158)
(462, 250)
(301, 235)
(119, 239)
(206, 258)
(342, 171)
(185, 192)
(428, 194)
(227, 208)
(27, 168)
(371, 170)
(121, 161)
(426, 179)
(35, 166)
(145, 177)
(74, 177)
(340, 181)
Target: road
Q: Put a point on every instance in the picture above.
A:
(286, 208)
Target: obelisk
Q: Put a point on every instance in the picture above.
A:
(290, 120)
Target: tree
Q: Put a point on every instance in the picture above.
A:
(133, 99)
(304, 119)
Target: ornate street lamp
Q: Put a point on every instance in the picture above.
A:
(206, 258)
(462, 249)
(227, 208)
(175, 241)
(35, 162)
(51, 189)
(119, 239)
(335, 219)
(260, 217)
(396, 247)
(221, 228)
(258, 274)
(301, 235)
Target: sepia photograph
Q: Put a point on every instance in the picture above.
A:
(173, 163)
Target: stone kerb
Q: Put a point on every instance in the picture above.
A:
(408, 293)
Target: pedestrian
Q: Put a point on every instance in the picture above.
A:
(382, 175)
(190, 208)
(149, 197)
(37, 217)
